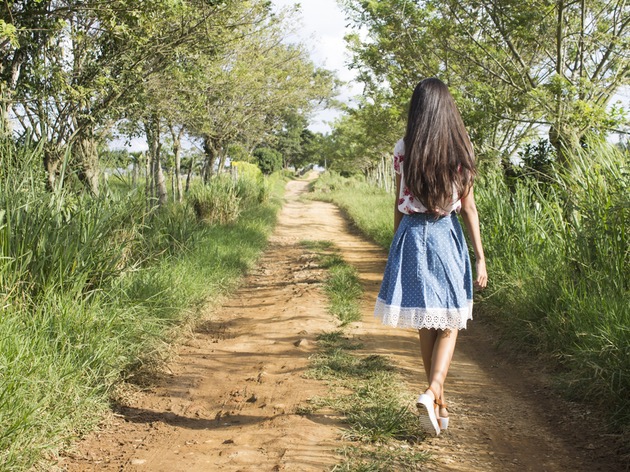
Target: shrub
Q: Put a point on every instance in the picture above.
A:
(269, 160)
(246, 170)
(216, 202)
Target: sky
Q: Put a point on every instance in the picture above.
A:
(321, 28)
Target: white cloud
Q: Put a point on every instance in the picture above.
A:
(322, 29)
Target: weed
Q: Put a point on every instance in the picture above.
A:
(375, 410)
(328, 261)
(342, 285)
(344, 290)
(317, 246)
(393, 456)
(337, 340)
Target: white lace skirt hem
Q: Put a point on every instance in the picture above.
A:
(416, 317)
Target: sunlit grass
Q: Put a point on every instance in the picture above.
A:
(365, 388)
(369, 207)
(558, 257)
(368, 392)
(344, 290)
(342, 284)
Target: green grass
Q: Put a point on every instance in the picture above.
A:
(365, 389)
(559, 264)
(375, 410)
(93, 291)
(342, 284)
(343, 289)
(368, 392)
(382, 458)
(369, 207)
(317, 246)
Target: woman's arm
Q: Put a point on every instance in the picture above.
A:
(397, 213)
(471, 220)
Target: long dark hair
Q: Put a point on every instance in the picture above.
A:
(439, 156)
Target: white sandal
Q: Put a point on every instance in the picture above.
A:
(442, 420)
(426, 408)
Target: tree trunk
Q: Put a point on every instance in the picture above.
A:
(177, 151)
(5, 112)
(158, 188)
(189, 176)
(160, 180)
(211, 157)
(564, 140)
(148, 177)
(173, 193)
(53, 157)
(6, 107)
(88, 169)
(223, 156)
(557, 135)
(134, 174)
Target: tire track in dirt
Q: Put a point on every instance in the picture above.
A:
(230, 400)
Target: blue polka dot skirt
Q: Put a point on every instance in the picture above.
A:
(428, 277)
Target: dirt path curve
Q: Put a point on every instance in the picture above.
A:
(229, 403)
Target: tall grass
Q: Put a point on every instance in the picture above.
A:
(92, 288)
(560, 263)
(223, 198)
(370, 207)
(558, 259)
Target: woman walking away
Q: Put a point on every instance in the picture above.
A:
(428, 280)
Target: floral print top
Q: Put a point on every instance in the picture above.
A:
(407, 203)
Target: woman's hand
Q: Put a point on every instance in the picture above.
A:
(481, 281)
(471, 220)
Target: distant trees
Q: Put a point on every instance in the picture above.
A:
(268, 160)
(71, 71)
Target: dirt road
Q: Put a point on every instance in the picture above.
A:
(229, 402)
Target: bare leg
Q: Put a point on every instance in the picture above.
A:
(427, 343)
(437, 347)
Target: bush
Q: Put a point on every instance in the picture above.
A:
(269, 160)
(216, 202)
(246, 170)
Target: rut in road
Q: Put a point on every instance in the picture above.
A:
(229, 402)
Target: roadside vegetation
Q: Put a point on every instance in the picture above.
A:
(553, 193)
(366, 389)
(559, 263)
(94, 290)
(105, 253)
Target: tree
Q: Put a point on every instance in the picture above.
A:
(289, 138)
(73, 67)
(514, 67)
(255, 84)
(364, 135)
(268, 160)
